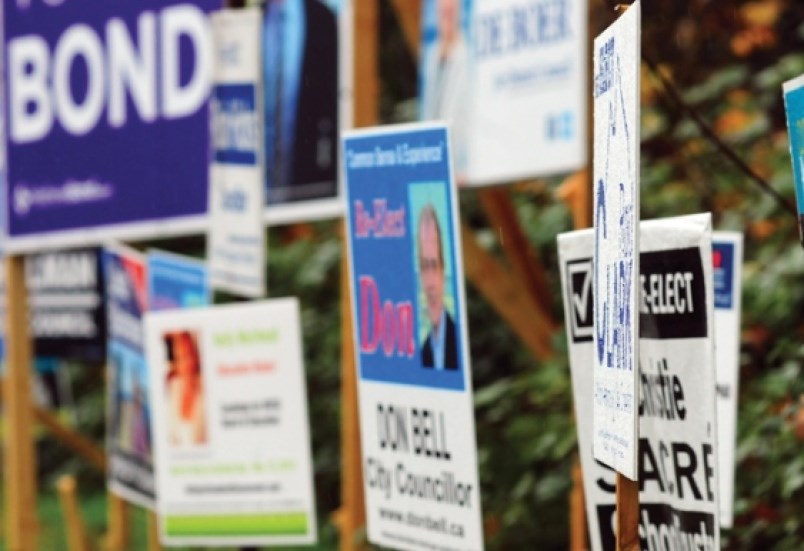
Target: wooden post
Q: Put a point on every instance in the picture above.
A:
(524, 262)
(153, 532)
(73, 522)
(72, 439)
(627, 514)
(118, 535)
(20, 455)
(351, 517)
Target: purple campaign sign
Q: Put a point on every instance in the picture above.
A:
(106, 118)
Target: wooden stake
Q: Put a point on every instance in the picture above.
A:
(20, 454)
(72, 439)
(578, 539)
(627, 514)
(73, 522)
(352, 515)
(118, 536)
(522, 258)
(153, 532)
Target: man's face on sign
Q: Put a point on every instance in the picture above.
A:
(431, 268)
(448, 15)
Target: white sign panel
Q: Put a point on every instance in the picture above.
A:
(509, 77)
(678, 469)
(415, 386)
(230, 425)
(616, 262)
(727, 257)
(236, 240)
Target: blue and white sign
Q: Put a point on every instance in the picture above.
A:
(509, 77)
(616, 258)
(415, 386)
(727, 260)
(107, 121)
(176, 282)
(129, 442)
(236, 240)
(794, 109)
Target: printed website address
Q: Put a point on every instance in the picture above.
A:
(426, 522)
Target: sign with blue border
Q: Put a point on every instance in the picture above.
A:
(411, 338)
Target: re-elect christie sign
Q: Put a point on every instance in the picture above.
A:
(105, 109)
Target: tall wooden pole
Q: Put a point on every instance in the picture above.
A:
(20, 455)
(351, 517)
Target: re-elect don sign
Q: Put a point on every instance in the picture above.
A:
(105, 117)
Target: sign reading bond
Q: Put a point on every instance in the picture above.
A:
(416, 412)
(616, 266)
(113, 96)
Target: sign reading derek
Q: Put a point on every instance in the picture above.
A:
(231, 430)
(677, 448)
(416, 412)
(113, 94)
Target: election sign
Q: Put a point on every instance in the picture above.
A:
(794, 109)
(236, 241)
(509, 77)
(415, 387)
(727, 261)
(68, 317)
(230, 422)
(113, 96)
(65, 297)
(128, 426)
(616, 262)
(305, 75)
(677, 459)
(176, 281)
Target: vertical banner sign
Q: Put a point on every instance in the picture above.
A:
(128, 430)
(678, 462)
(113, 96)
(236, 239)
(616, 258)
(65, 295)
(794, 109)
(727, 257)
(509, 77)
(231, 429)
(176, 281)
(415, 388)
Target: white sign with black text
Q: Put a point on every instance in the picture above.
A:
(677, 449)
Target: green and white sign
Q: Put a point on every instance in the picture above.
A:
(230, 425)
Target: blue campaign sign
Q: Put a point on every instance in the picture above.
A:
(176, 282)
(106, 118)
(794, 109)
(723, 262)
(405, 267)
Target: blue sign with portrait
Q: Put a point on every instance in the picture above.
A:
(106, 118)
(407, 295)
(176, 282)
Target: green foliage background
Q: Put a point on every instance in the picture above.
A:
(728, 59)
